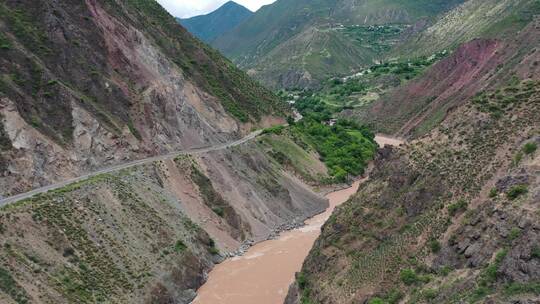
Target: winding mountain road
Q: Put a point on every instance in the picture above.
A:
(381, 139)
(13, 199)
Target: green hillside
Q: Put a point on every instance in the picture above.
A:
(473, 19)
(303, 42)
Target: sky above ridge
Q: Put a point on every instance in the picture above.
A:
(190, 8)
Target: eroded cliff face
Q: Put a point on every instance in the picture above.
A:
(453, 215)
(148, 234)
(84, 85)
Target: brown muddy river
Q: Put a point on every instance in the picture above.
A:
(264, 273)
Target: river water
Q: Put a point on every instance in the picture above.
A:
(264, 273)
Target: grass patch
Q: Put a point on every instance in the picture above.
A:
(498, 102)
(391, 297)
(514, 233)
(5, 44)
(134, 130)
(513, 289)
(10, 287)
(493, 192)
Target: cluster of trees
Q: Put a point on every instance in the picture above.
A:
(311, 105)
(345, 146)
(347, 88)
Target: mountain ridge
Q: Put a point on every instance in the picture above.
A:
(212, 25)
(275, 34)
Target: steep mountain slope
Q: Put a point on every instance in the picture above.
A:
(149, 234)
(89, 84)
(225, 18)
(472, 19)
(419, 105)
(275, 37)
(452, 217)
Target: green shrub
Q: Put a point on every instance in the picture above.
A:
(535, 252)
(393, 296)
(376, 301)
(514, 233)
(274, 130)
(459, 206)
(516, 192)
(517, 158)
(430, 294)
(489, 275)
(409, 277)
(219, 210)
(530, 148)
(493, 193)
(302, 281)
(212, 247)
(435, 246)
(445, 271)
(134, 130)
(179, 246)
(4, 42)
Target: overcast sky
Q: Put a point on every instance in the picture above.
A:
(189, 8)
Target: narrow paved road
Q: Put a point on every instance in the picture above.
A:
(22, 196)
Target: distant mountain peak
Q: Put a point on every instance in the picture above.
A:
(233, 4)
(210, 26)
